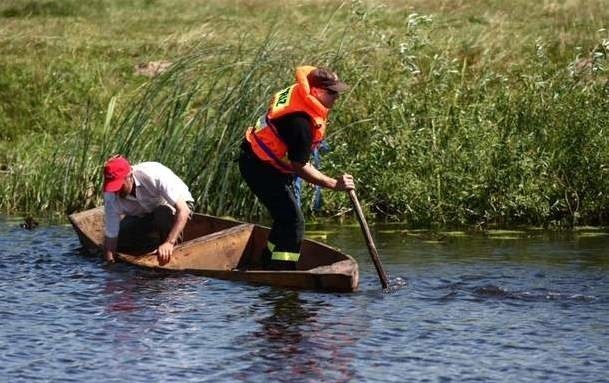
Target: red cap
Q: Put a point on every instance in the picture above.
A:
(116, 169)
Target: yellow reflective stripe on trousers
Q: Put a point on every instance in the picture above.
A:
(285, 256)
(281, 255)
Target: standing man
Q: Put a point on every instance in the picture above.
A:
(148, 195)
(279, 146)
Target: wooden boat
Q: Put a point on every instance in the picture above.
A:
(228, 249)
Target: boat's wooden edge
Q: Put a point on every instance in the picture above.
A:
(88, 243)
(150, 259)
(341, 267)
(215, 235)
(341, 276)
(75, 218)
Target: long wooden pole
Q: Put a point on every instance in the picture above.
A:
(371, 248)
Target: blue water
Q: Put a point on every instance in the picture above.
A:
(475, 309)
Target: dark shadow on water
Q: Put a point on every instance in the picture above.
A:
(536, 295)
(291, 345)
(289, 315)
(490, 291)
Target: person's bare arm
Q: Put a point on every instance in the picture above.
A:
(312, 175)
(166, 249)
(110, 248)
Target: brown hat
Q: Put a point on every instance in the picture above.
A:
(326, 79)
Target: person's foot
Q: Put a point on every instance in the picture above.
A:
(280, 265)
(265, 260)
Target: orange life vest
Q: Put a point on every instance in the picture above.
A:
(263, 137)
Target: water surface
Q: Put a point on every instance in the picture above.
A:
(521, 308)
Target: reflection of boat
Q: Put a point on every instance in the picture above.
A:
(228, 249)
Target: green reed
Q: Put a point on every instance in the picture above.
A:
(438, 128)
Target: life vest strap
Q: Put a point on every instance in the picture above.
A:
(270, 153)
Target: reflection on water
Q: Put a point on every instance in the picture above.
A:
(282, 331)
(293, 343)
(523, 308)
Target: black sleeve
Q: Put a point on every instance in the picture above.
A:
(294, 129)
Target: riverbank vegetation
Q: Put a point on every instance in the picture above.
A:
(472, 112)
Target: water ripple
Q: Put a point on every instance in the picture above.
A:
(493, 315)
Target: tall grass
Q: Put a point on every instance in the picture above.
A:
(439, 127)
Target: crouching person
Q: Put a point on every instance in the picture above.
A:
(141, 198)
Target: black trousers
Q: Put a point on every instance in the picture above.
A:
(275, 190)
(148, 231)
(145, 232)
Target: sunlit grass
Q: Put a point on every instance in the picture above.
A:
(460, 112)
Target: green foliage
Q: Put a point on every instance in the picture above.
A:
(48, 8)
(454, 117)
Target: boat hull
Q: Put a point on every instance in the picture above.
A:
(227, 249)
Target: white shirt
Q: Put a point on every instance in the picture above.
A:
(155, 185)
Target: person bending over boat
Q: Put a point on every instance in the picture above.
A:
(279, 146)
(147, 195)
